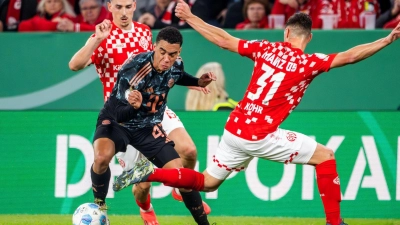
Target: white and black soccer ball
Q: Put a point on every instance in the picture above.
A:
(89, 214)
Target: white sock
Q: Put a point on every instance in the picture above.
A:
(149, 210)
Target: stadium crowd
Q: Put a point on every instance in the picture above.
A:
(83, 15)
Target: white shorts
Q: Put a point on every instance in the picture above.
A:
(128, 159)
(235, 153)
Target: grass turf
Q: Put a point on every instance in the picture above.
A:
(186, 220)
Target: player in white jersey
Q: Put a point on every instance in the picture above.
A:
(281, 74)
(112, 43)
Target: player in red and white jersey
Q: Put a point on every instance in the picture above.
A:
(116, 48)
(108, 48)
(281, 74)
(280, 77)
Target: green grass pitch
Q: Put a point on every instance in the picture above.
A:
(187, 220)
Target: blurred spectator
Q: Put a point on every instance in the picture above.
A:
(255, 13)
(215, 11)
(141, 7)
(50, 12)
(314, 8)
(217, 99)
(349, 11)
(234, 14)
(162, 14)
(93, 12)
(12, 12)
(390, 18)
(385, 5)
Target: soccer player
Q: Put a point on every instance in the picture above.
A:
(112, 43)
(133, 113)
(281, 74)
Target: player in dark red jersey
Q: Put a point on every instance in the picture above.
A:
(281, 74)
(112, 43)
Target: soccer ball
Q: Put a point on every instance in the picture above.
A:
(89, 214)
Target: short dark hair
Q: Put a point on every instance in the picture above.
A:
(301, 22)
(171, 35)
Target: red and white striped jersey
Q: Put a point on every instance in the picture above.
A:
(280, 77)
(116, 48)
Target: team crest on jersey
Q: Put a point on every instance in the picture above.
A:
(171, 83)
(291, 136)
(143, 43)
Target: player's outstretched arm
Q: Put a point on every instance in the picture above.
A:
(82, 58)
(214, 34)
(361, 52)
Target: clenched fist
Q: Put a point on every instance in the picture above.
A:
(206, 79)
(135, 99)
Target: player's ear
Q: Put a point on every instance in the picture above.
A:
(286, 33)
(309, 37)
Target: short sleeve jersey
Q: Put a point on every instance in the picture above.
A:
(154, 87)
(116, 48)
(280, 77)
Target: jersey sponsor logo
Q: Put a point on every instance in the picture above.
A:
(117, 67)
(254, 108)
(120, 45)
(130, 54)
(291, 136)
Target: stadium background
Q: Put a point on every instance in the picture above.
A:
(48, 115)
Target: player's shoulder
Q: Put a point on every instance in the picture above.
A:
(178, 64)
(141, 26)
(137, 60)
(320, 56)
(256, 42)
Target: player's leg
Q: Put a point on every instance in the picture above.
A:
(328, 183)
(141, 191)
(229, 157)
(184, 145)
(292, 147)
(105, 143)
(168, 158)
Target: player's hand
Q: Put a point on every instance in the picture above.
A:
(205, 90)
(395, 34)
(206, 79)
(103, 29)
(182, 10)
(147, 19)
(135, 99)
(1, 26)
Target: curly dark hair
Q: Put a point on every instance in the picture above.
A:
(301, 22)
(171, 35)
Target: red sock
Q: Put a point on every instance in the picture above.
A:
(329, 189)
(179, 178)
(145, 205)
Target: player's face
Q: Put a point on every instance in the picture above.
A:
(165, 55)
(122, 12)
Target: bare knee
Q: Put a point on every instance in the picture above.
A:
(188, 152)
(321, 154)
